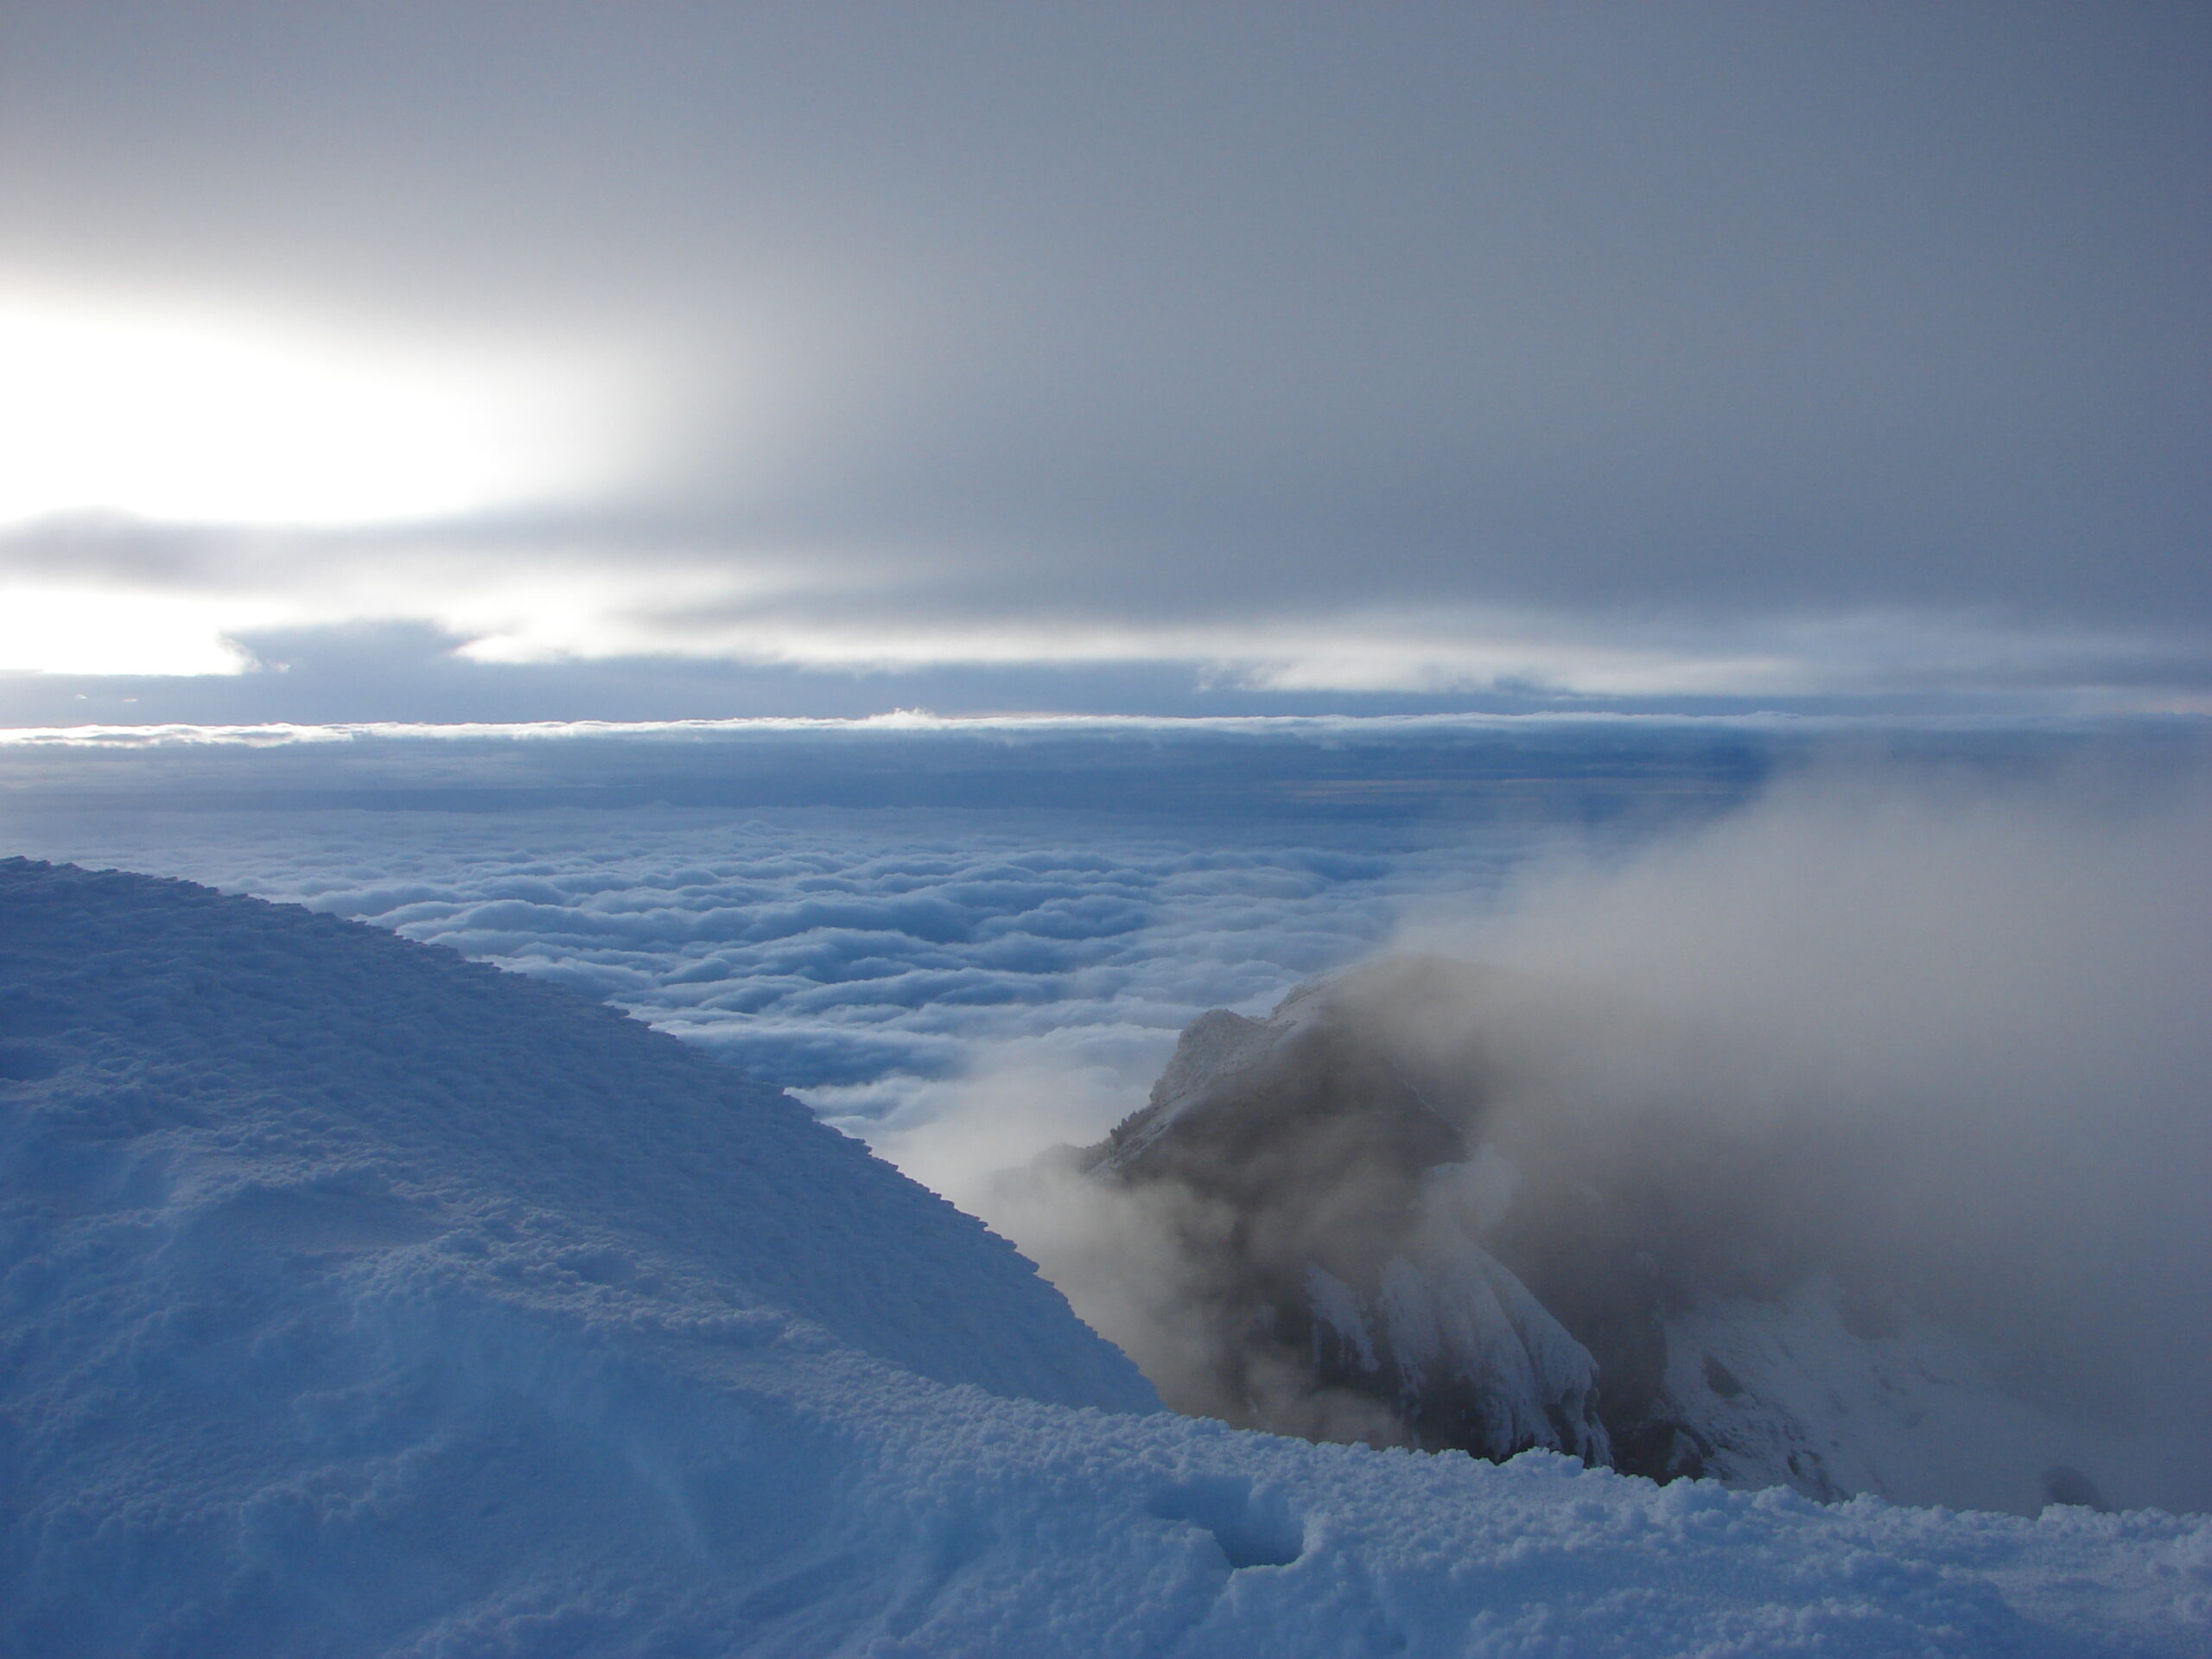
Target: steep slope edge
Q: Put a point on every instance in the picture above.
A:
(262, 1078)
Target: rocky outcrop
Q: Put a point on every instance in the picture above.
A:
(1388, 1232)
(1333, 1210)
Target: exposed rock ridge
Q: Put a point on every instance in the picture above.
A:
(1329, 1221)
(1390, 1233)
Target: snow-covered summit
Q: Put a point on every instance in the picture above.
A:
(358, 1300)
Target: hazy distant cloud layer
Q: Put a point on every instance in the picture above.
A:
(888, 910)
(1632, 352)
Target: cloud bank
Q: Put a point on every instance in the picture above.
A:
(1992, 999)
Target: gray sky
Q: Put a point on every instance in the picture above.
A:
(691, 354)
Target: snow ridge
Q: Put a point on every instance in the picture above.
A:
(263, 1075)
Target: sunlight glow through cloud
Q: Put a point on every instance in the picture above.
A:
(163, 412)
(46, 629)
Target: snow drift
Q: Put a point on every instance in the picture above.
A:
(358, 1299)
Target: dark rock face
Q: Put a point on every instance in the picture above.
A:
(1429, 1204)
(1369, 1264)
(1318, 1168)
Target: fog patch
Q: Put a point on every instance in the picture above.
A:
(1939, 1041)
(1984, 1006)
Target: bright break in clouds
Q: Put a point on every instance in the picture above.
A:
(718, 360)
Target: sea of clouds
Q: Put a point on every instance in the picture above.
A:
(891, 919)
(876, 961)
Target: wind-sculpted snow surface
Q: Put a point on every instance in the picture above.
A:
(360, 1301)
(278, 1082)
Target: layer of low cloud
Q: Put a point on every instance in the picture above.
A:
(886, 962)
(1625, 352)
(893, 914)
(542, 632)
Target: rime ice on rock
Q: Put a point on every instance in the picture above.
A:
(1364, 1262)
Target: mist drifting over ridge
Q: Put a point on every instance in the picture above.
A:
(1941, 1037)
(896, 920)
(1994, 995)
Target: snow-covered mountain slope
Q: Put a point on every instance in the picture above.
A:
(356, 1300)
(1369, 1246)
(277, 1081)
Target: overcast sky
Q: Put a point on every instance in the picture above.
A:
(683, 359)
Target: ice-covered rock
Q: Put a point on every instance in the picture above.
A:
(1328, 1214)
(1371, 1246)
